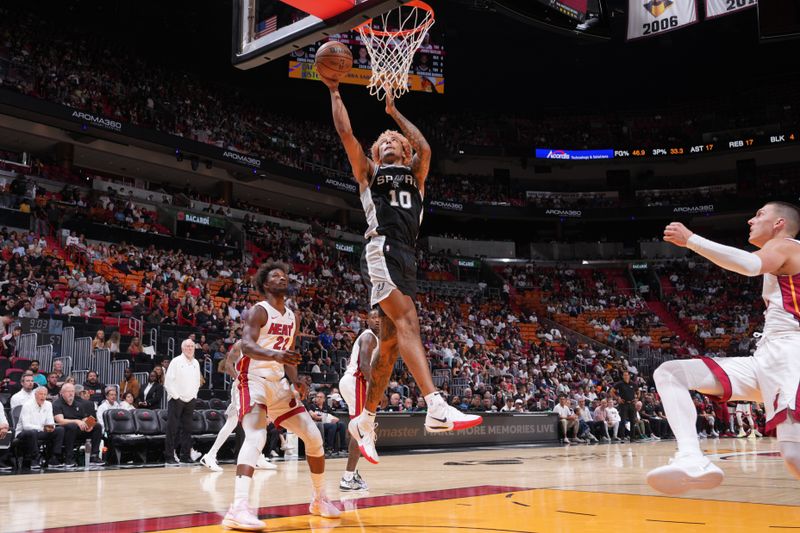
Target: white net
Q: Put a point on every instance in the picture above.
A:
(391, 40)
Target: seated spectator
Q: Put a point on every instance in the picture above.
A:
(333, 429)
(109, 403)
(71, 308)
(4, 429)
(612, 419)
(592, 427)
(568, 421)
(150, 396)
(95, 388)
(134, 349)
(112, 345)
(128, 401)
(28, 311)
(25, 393)
(129, 383)
(395, 403)
(112, 306)
(39, 379)
(99, 341)
(58, 370)
(36, 425)
(75, 417)
(53, 388)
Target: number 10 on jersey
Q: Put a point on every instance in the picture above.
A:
(404, 196)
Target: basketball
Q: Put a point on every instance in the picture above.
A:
(333, 60)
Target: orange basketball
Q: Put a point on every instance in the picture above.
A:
(333, 60)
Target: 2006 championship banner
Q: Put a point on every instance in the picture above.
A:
(654, 17)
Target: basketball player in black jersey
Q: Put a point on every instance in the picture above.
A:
(392, 186)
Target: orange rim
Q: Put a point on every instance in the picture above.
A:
(367, 25)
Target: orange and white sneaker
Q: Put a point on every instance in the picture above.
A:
(445, 417)
(323, 507)
(242, 518)
(685, 471)
(362, 428)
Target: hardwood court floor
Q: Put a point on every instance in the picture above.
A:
(549, 489)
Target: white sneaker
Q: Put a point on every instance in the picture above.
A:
(362, 428)
(741, 434)
(194, 454)
(685, 472)
(263, 464)
(759, 435)
(703, 435)
(653, 436)
(241, 516)
(715, 434)
(447, 418)
(210, 462)
(324, 508)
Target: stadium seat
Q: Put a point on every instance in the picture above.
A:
(216, 403)
(122, 433)
(198, 424)
(22, 364)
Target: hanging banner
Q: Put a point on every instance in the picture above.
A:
(716, 8)
(654, 17)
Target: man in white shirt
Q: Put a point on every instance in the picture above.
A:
(567, 419)
(24, 394)
(109, 403)
(36, 425)
(181, 383)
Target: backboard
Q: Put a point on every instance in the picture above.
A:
(264, 30)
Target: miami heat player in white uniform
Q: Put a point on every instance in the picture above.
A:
(353, 387)
(771, 375)
(266, 384)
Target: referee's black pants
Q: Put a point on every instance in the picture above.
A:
(627, 413)
(179, 428)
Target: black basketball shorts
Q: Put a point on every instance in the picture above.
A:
(387, 265)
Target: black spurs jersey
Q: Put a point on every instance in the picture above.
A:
(393, 204)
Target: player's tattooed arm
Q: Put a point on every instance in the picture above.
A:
(421, 162)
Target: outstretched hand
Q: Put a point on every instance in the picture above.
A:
(677, 234)
(330, 83)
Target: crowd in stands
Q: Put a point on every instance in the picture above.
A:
(85, 73)
(716, 306)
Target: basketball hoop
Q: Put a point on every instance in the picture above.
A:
(391, 40)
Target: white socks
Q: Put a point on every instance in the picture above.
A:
(674, 380)
(434, 401)
(347, 476)
(241, 490)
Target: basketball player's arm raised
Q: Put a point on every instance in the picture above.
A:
(421, 162)
(768, 260)
(363, 168)
(255, 320)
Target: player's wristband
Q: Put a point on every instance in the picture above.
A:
(727, 257)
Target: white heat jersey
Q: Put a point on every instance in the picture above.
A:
(277, 334)
(782, 297)
(352, 366)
